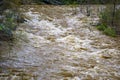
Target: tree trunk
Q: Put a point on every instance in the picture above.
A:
(88, 7)
(113, 14)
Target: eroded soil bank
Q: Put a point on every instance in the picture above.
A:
(60, 43)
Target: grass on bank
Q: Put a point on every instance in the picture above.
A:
(107, 30)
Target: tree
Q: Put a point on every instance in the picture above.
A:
(110, 17)
(8, 23)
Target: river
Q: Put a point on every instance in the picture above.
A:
(59, 43)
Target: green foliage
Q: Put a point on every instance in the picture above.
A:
(10, 11)
(10, 20)
(1, 27)
(6, 31)
(117, 18)
(8, 25)
(106, 16)
(110, 32)
(70, 2)
(107, 30)
(101, 27)
(111, 17)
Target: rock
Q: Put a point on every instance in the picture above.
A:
(66, 74)
(105, 56)
(51, 38)
(79, 48)
(50, 19)
(17, 70)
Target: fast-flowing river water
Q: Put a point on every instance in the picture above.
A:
(60, 43)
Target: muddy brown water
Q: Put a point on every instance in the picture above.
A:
(57, 44)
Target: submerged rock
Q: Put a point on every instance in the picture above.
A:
(66, 74)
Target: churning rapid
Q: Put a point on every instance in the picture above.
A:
(60, 43)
